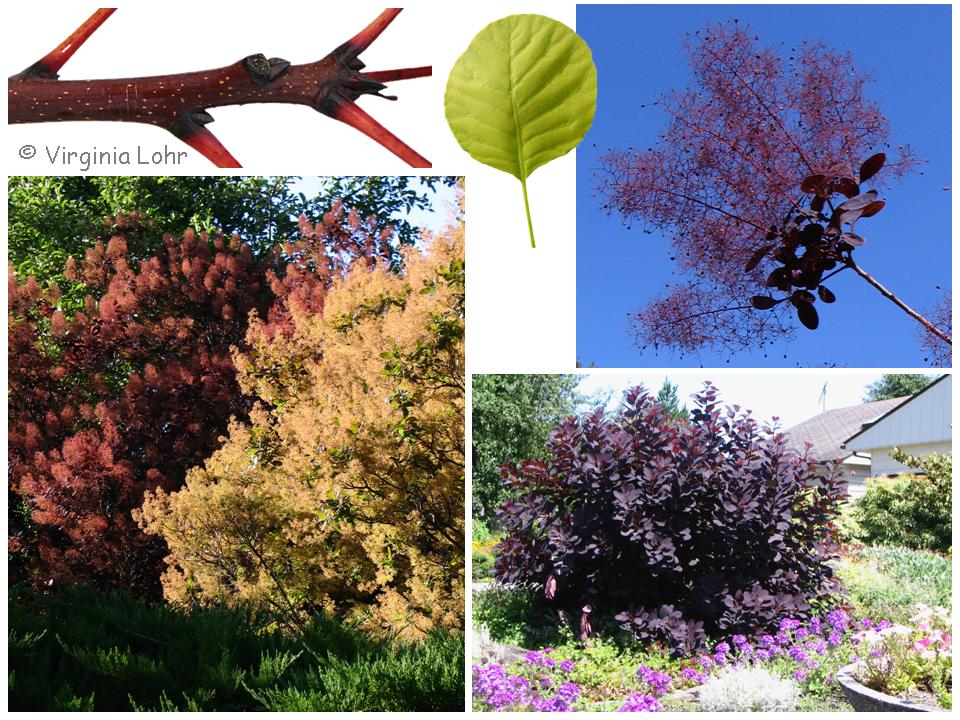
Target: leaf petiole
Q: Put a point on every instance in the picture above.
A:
(526, 205)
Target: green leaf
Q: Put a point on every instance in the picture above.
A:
(524, 93)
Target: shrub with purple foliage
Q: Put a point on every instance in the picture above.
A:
(682, 529)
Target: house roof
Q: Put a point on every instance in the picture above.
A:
(828, 431)
(890, 411)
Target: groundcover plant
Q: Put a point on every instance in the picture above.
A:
(157, 446)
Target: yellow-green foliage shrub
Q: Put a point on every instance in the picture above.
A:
(344, 493)
(912, 511)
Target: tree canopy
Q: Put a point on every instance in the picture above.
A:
(53, 218)
(512, 417)
(894, 385)
(669, 399)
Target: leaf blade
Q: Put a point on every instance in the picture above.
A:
(522, 94)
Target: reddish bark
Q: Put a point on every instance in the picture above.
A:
(180, 102)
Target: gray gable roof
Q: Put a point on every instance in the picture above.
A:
(827, 431)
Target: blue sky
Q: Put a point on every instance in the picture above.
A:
(792, 400)
(638, 52)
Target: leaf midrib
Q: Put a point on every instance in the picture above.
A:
(513, 106)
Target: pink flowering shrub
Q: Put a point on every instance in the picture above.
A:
(903, 659)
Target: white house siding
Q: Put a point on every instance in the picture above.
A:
(883, 464)
(858, 470)
(923, 421)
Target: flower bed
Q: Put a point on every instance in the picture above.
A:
(901, 658)
(911, 662)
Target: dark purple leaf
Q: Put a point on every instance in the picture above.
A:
(847, 186)
(814, 184)
(871, 166)
(825, 294)
(762, 302)
(807, 314)
(873, 208)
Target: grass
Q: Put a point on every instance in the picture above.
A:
(81, 650)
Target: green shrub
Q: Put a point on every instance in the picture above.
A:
(480, 532)
(846, 528)
(886, 582)
(909, 510)
(517, 616)
(482, 566)
(80, 650)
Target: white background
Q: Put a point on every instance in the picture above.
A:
(520, 301)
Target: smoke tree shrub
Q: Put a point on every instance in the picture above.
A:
(343, 491)
(710, 526)
(127, 394)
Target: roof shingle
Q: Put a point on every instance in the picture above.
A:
(828, 430)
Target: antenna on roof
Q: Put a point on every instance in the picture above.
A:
(823, 398)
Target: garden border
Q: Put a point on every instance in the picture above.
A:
(865, 699)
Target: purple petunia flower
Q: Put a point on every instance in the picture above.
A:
(533, 657)
(799, 675)
(788, 624)
(722, 648)
(838, 619)
(636, 702)
(554, 704)
(568, 691)
(659, 682)
(566, 666)
(834, 639)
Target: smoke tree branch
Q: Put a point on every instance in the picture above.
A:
(180, 102)
(928, 326)
(750, 127)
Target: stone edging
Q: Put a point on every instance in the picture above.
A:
(865, 699)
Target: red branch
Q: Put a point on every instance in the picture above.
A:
(179, 103)
(51, 63)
